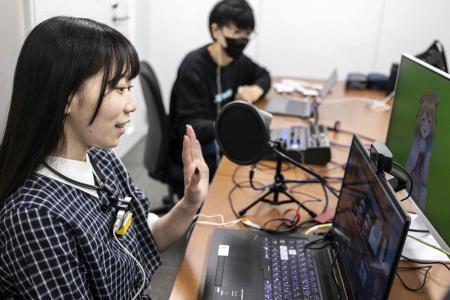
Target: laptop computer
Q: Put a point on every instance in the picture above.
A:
(299, 108)
(368, 233)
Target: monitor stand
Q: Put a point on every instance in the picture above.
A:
(416, 250)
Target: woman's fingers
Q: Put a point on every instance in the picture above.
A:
(192, 138)
(186, 153)
(195, 145)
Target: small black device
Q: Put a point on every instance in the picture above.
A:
(309, 145)
(381, 156)
(369, 230)
(356, 81)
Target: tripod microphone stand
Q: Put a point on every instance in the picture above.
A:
(277, 188)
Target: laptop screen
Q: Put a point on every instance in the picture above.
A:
(370, 227)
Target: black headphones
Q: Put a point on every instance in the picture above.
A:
(122, 205)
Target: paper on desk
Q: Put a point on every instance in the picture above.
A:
(291, 85)
(416, 250)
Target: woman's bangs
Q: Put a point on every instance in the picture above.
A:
(125, 62)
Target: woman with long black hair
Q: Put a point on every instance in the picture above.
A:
(72, 223)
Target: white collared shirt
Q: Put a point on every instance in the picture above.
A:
(77, 170)
(80, 171)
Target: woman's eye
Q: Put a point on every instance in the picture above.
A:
(122, 89)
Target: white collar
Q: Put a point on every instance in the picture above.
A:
(81, 171)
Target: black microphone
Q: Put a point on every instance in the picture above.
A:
(242, 132)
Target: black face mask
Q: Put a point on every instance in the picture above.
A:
(235, 47)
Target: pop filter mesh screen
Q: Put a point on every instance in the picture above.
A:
(241, 133)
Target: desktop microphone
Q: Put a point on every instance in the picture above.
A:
(242, 132)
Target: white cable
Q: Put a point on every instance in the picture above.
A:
(144, 215)
(228, 224)
(138, 263)
(222, 223)
(210, 217)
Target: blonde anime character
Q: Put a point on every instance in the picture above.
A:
(419, 156)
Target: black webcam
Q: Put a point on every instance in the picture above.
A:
(381, 157)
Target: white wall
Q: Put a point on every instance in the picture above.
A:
(305, 38)
(12, 35)
(410, 26)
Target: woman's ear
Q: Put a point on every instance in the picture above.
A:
(69, 105)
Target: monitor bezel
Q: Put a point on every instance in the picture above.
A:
(417, 210)
(397, 206)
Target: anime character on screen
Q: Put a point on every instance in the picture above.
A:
(419, 157)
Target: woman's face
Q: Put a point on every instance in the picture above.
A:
(112, 117)
(425, 125)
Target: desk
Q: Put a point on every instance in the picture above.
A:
(354, 115)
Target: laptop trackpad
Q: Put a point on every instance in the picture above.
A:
(238, 278)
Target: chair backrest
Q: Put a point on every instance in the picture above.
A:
(157, 142)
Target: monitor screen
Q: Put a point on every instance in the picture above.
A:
(419, 137)
(370, 227)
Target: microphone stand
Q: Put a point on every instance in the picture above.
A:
(277, 188)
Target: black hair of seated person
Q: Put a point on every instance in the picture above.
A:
(237, 12)
(57, 57)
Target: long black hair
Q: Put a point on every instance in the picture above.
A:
(57, 57)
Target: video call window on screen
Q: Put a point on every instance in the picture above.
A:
(368, 226)
(419, 137)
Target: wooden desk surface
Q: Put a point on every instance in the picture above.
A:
(339, 106)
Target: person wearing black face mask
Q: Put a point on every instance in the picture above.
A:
(214, 75)
(235, 46)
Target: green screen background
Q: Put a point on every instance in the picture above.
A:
(413, 81)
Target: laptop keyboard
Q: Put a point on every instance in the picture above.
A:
(288, 270)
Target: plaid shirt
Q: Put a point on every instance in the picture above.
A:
(56, 241)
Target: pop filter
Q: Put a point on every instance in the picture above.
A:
(242, 131)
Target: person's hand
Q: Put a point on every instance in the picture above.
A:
(249, 93)
(195, 170)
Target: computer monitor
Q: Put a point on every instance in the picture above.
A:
(419, 138)
(370, 227)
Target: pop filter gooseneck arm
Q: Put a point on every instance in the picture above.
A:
(309, 171)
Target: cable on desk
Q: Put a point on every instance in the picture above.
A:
(270, 167)
(290, 227)
(447, 266)
(422, 284)
(337, 165)
(430, 245)
(236, 183)
(336, 128)
(427, 266)
(293, 225)
(296, 217)
(419, 230)
(411, 183)
(319, 226)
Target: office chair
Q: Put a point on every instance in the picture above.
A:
(156, 156)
